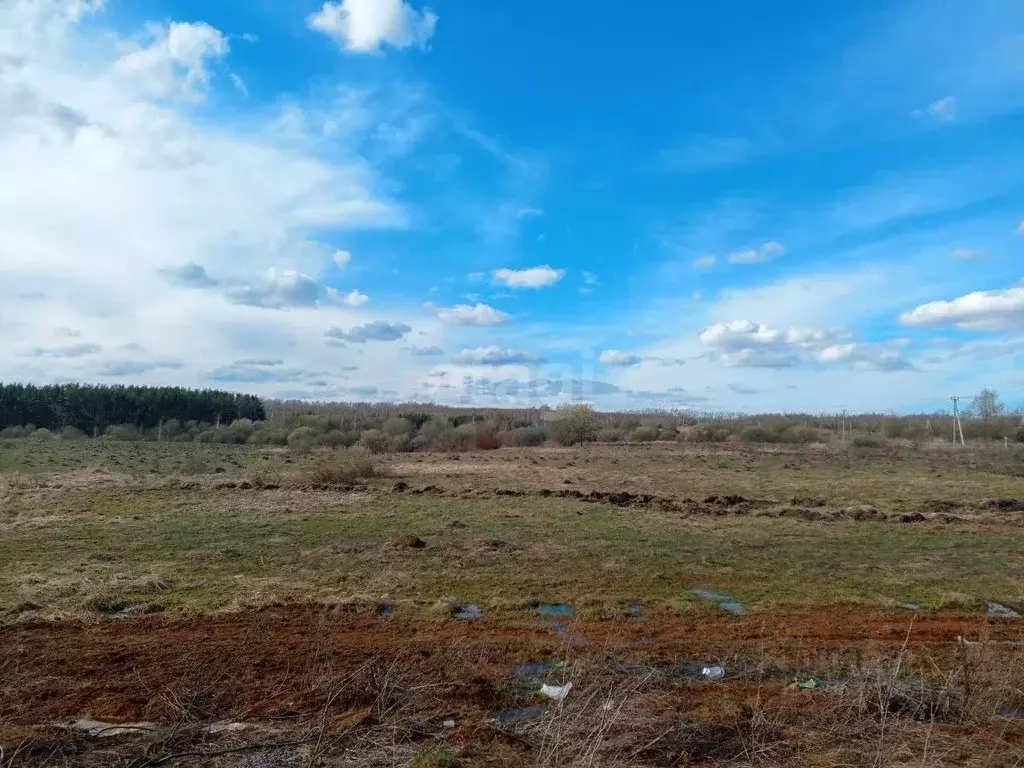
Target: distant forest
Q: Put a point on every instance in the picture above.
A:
(93, 408)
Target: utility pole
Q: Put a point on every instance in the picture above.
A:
(956, 421)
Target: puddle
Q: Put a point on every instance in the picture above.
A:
(1002, 611)
(385, 609)
(471, 611)
(555, 609)
(725, 602)
(635, 610)
(509, 716)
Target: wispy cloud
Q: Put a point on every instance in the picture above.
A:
(534, 277)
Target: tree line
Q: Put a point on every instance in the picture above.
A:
(93, 408)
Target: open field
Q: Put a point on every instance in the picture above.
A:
(185, 584)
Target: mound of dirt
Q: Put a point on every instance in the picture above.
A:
(1005, 505)
(491, 546)
(406, 541)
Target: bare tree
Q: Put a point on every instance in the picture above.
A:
(987, 406)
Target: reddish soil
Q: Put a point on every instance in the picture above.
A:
(283, 661)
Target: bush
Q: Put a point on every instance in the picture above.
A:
(644, 434)
(301, 435)
(71, 433)
(802, 435)
(43, 434)
(865, 441)
(121, 432)
(1019, 435)
(610, 435)
(574, 424)
(707, 432)
(396, 426)
(15, 432)
(487, 442)
(757, 435)
(268, 436)
(524, 436)
(345, 468)
(335, 438)
(374, 441)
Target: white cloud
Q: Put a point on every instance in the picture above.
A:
(966, 253)
(943, 110)
(351, 299)
(704, 262)
(276, 289)
(534, 277)
(981, 311)
(341, 258)
(495, 355)
(746, 344)
(467, 314)
(175, 62)
(378, 330)
(760, 255)
(527, 212)
(164, 237)
(239, 84)
(618, 358)
(363, 26)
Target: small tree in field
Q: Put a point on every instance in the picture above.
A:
(574, 424)
(987, 406)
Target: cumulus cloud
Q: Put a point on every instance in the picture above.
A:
(704, 262)
(190, 275)
(378, 330)
(980, 311)
(495, 355)
(534, 277)
(351, 299)
(466, 314)
(74, 350)
(746, 344)
(759, 255)
(341, 258)
(276, 290)
(618, 358)
(942, 110)
(175, 62)
(363, 26)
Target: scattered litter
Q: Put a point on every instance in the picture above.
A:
(691, 671)
(509, 716)
(449, 723)
(713, 673)
(556, 692)
(99, 729)
(1002, 611)
(807, 684)
(725, 602)
(911, 606)
(555, 609)
(471, 611)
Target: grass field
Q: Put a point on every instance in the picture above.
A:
(160, 565)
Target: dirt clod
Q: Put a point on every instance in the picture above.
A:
(406, 541)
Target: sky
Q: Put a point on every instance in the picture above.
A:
(731, 206)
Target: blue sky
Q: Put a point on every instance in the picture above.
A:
(723, 206)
